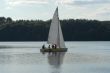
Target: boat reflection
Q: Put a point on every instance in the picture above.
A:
(55, 61)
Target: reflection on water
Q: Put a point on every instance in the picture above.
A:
(55, 60)
(82, 57)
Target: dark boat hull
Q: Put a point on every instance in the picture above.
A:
(54, 50)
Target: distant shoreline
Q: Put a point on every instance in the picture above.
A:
(37, 30)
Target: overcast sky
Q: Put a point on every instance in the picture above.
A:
(44, 9)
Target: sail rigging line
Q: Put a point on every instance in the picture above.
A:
(58, 29)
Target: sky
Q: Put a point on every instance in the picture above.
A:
(44, 9)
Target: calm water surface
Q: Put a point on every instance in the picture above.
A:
(82, 57)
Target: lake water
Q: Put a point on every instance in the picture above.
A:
(82, 57)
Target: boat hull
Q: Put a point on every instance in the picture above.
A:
(54, 50)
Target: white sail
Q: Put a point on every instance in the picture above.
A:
(61, 39)
(55, 34)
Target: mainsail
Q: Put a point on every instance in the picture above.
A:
(55, 33)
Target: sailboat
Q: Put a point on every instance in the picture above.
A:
(55, 36)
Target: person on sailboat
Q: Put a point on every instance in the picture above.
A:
(49, 46)
(55, 46)
(43, 46)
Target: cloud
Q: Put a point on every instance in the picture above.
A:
(25, 2)
(93, 9)
(103, 12)
(64, 1)
(54, 2)
(91, 2)
(82, 2)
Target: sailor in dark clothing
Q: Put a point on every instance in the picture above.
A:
(53, 46)
(43, 47)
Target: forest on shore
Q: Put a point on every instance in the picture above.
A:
(37, 30)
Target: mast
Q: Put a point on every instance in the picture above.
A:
(58, 40)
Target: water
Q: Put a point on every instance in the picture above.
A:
(82, 57)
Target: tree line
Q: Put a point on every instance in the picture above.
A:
(37, 30)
